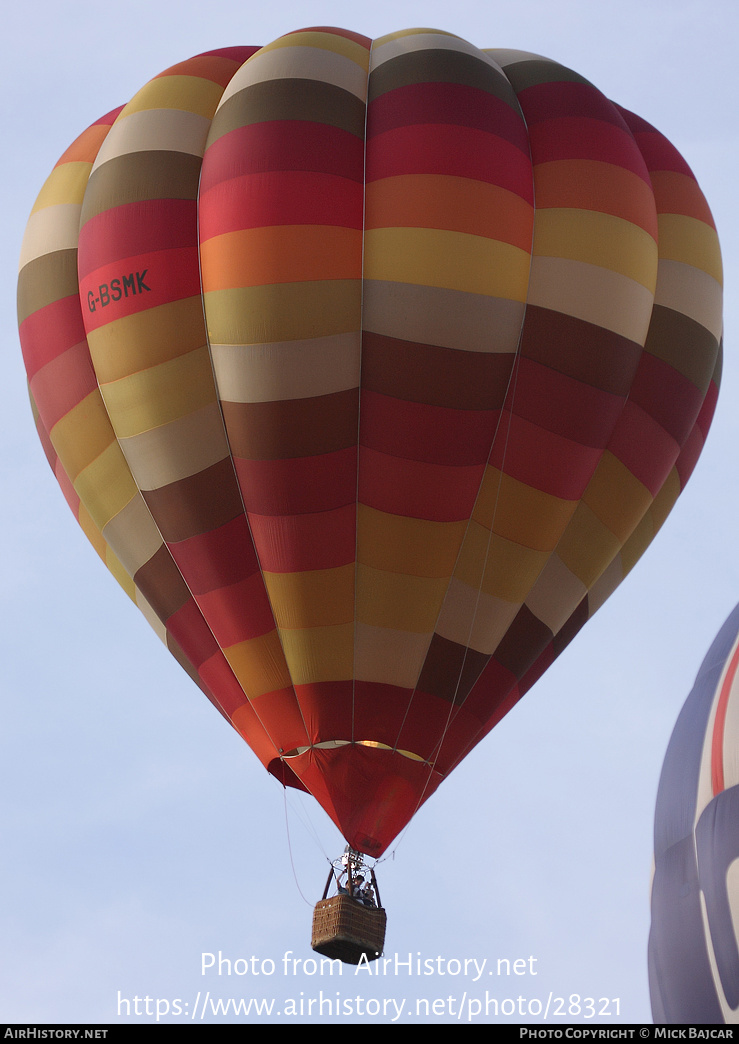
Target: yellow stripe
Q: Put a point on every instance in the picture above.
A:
(324, 42)
(259, 664)
(597, 239)
(403, 603)
(510, 569)
(616, 496)
(521, 513)
(451, 260)
(106, 486)
(190, 93)
(66, 184)
(140, 341)
(82, 434)
(93, 534)
(160, 394)
(320, 653)
(315, 598)
(588, 546)
(413, 546)
(692, 242)
(283, 311)
(116, 568)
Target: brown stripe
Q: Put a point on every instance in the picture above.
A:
(450, 670)
(161, 584)
(292, 427)
(197, 504)
(530, 73)
(289, 99)
(440, 66)
(525, 639)
(47, 279)
(139, 176)
(589, 353)
(436, 376)
(684, 344)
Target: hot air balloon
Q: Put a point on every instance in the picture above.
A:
(693, 955)
(370, 368)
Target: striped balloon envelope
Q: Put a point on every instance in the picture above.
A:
(370, 368)
(693, 953)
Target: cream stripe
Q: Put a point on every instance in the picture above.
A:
(151, 617)
(51, 229)
(302, 63)
(692, 292)
(605, 585)
(133, 536)
(393, 657)
(160, 130)
(472, 618)
(286, 369)
(447, 318)
(594, 294)
(556, 594)
(177, 450)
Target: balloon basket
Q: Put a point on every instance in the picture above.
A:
(345, 930)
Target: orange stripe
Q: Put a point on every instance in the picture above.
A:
(280, 254)
(452, 203)
(86, 147)
(594, 185)
(678, 194)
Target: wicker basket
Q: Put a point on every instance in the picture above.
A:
(345, 930)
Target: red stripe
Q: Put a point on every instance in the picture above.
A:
(294, 543)
(154, 279)
(283, 145)
(719, 725)
(542, 459)
(300, 484)
(50, 331)
(189, 631)
(224, 556)
(280, 198)
(238, 612)
(582, 138)
(644, 446)
(135, 229)
(564, 405)
(416, 489)
(417, 431)
(557, 99)
(658, 152)
(446, 103)
(63, 383)
(668, 396)
(460, 151)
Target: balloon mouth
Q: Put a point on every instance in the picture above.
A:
(375, 744)
(370, 789)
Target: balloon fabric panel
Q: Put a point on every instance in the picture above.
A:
(371, 369)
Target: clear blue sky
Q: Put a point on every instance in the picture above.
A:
(131, 848)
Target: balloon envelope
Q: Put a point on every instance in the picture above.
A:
(693, 955)
(370, 368)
